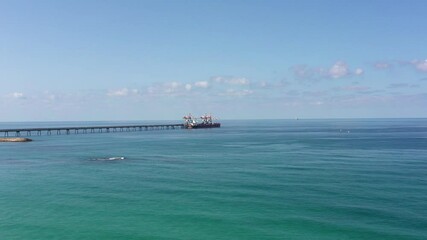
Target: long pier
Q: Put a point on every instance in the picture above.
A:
(84, 130)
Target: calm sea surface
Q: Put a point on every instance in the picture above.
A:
(278, 179)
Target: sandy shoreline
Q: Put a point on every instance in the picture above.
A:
(15, 140)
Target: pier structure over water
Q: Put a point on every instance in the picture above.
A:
(84, 130)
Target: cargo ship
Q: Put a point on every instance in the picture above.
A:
(205, 121)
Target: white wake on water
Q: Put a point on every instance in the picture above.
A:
(109, 159)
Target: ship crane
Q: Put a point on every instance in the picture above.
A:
(206, 122)
(189, 121)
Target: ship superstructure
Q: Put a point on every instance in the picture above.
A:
(205, 121)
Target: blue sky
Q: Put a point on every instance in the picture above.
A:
(148, 60)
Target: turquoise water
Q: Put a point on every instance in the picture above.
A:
(278, 179)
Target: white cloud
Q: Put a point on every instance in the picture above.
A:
(359, 71)
(238, 81)
(171, 87)
(213, 86)
(188, 87)
(382, 65)
(124, 92)
(118, 93)
(16, 95)
(237, 93)
(317, 103)
(353, 88)
(420, 65)
(202, 84)
(231, 80)
(218, 79)
(338, 70)
(302, 71)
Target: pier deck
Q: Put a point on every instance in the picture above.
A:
(90, 129)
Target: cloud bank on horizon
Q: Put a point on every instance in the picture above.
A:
(159, 60)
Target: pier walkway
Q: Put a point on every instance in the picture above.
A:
(84, 130)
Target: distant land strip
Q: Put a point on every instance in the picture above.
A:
(15, 140)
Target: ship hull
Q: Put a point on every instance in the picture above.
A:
(203, 125)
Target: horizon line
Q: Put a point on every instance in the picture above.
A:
(226, 119)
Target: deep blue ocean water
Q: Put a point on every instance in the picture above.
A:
(271, 179)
